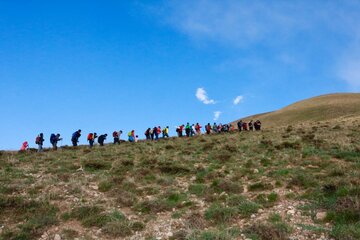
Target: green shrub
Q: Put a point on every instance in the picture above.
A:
(346, 231)
(197, 189)
(220, 214)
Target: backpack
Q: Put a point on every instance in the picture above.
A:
(129, 134)
(38, 140)
(115, 134)
(52, 138)
(90, 137)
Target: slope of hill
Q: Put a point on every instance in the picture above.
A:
(321, 108)
(299, 182)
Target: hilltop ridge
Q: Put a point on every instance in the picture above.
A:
(320, 108)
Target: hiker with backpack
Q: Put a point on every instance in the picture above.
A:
(24, 146)
(152, 134)
(131, 136)
(54, 140)
(239, 125)
(39, 141)
(116, 136)
(181, 129)
(219, 128)
(147, 134)
(251, 125)
(75, 137)
(101, 139)
(187, 130)
(165, 132)
(245, 126)
(193, 132)
(214, 128)
(155, 131)
(158, 131)
(257, 125)
(91, 138)
(198, 129)
(208, 128)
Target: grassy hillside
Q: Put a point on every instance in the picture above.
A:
(322, 108)
(299, 181)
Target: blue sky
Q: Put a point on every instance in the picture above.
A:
(99, 66)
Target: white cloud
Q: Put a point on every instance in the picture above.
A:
(217, 115)
(241, 23)
(202, 96)
(275, 27)
(238, 99)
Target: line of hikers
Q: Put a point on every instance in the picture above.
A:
(150, 134)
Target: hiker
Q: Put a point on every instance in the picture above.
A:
(136, 138)
(251, 125)
(75, 137)
(166, 132)
(147, 134)
(101, 139)
(219, 128)
(181, 129)
(24, 146)
(91, 138)
(245, 126)
(116, 136)
(231, 127)
(239, 125)
(208, 128)
(192, 130)
(198, 129)
(152, 133)
(39, 141)
(257, 125)
(215, 128)
(187, 129)
(156, 133)
(54, 139)
(131, 136)
(119, 133)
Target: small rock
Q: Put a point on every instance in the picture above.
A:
(320, 215)
(57, 237)
(253, 216)
(222, 194)
(256, 170)
(291, 212)
(260, 210)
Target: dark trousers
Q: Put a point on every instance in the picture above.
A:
(74, 142)
(54, 144)
(116, 140)
(91, 142)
